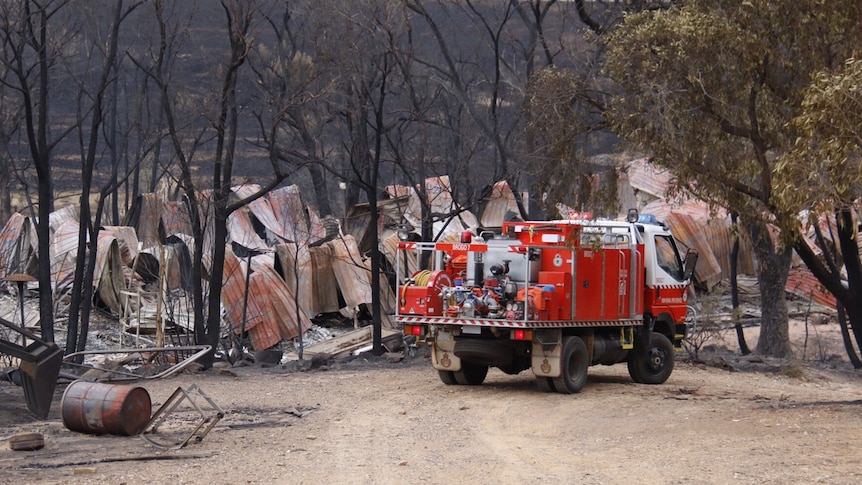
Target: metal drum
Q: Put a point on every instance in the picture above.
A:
(92, 407)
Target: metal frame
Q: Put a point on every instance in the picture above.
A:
(170, 405)
(200, 351)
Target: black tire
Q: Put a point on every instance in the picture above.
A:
(574, 362)
(448, 377)
(654, 364)
(546, 384)
(483, 352)
(471, 374)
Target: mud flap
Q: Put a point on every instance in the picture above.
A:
(443, 352)
(546, 353)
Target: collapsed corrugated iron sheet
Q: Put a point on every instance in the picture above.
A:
(500, 201)
(646, 178)
(109, 277)
(175, 218)
(439, 198)
(350, 272)
(268, 306)
(710, 233)
(802, 283)
(358, 220)
(127, 240)
(324, 281)
(64, 249)
(145, 216)
(18, 246)
(294, 263)
(280, 212)
(241, 231)
(61, 216)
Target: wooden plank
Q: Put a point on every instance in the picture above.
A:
(344, 345)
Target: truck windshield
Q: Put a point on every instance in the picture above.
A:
(668, 256)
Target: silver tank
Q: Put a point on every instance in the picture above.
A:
(498, 254)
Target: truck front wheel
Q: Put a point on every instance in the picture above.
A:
(471, 374)
(574, 362)
(654, 364)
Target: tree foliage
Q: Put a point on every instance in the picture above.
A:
(709, 87)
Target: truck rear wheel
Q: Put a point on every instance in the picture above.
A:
(574, 362)
(546, 384)
(654, 364)
(448, 377)
(471, 374)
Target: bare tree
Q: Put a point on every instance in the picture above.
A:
(29, 61)
(88, 231)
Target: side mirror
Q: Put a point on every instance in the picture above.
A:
(689, 264)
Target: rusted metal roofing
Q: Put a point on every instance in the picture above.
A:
(145, 215)
(500, 202)
(109, 277)
(64, 249)
(647, 178)
(62, 215)
(175, 218)
(350, 272)
(802, 283)
(295, 264)
(18, 245)
(692, 223)
(439, 198)
(281, 212)
(241, 231)
(270, 315)
(323, 279)
(358, 220)
(127, 240)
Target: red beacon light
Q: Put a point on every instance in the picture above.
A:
(466, 237)
(580, 216)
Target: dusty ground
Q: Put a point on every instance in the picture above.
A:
(373, 421)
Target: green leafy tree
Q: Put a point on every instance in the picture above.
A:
(708, 87)
(826, 158)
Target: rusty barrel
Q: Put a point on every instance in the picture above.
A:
(93, 407)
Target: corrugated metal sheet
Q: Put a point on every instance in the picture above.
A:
(175, 218)
(279, 311)
(500, 201)
(647, 178)
(127, 240)
(325, 283)
(62, 215)
(17, 245)
(439, 193)
(688, 221)
(297, 267)
(64, 248)
(282, 213)
(389, 250)
(269, 307)
(802, 283)
(350, 272)
(149, 209)
(439, 198)
(358, 220)
(241, 231)
(109, 277)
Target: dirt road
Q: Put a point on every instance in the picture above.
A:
(378, 422)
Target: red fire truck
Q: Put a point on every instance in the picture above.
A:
(551, 296)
